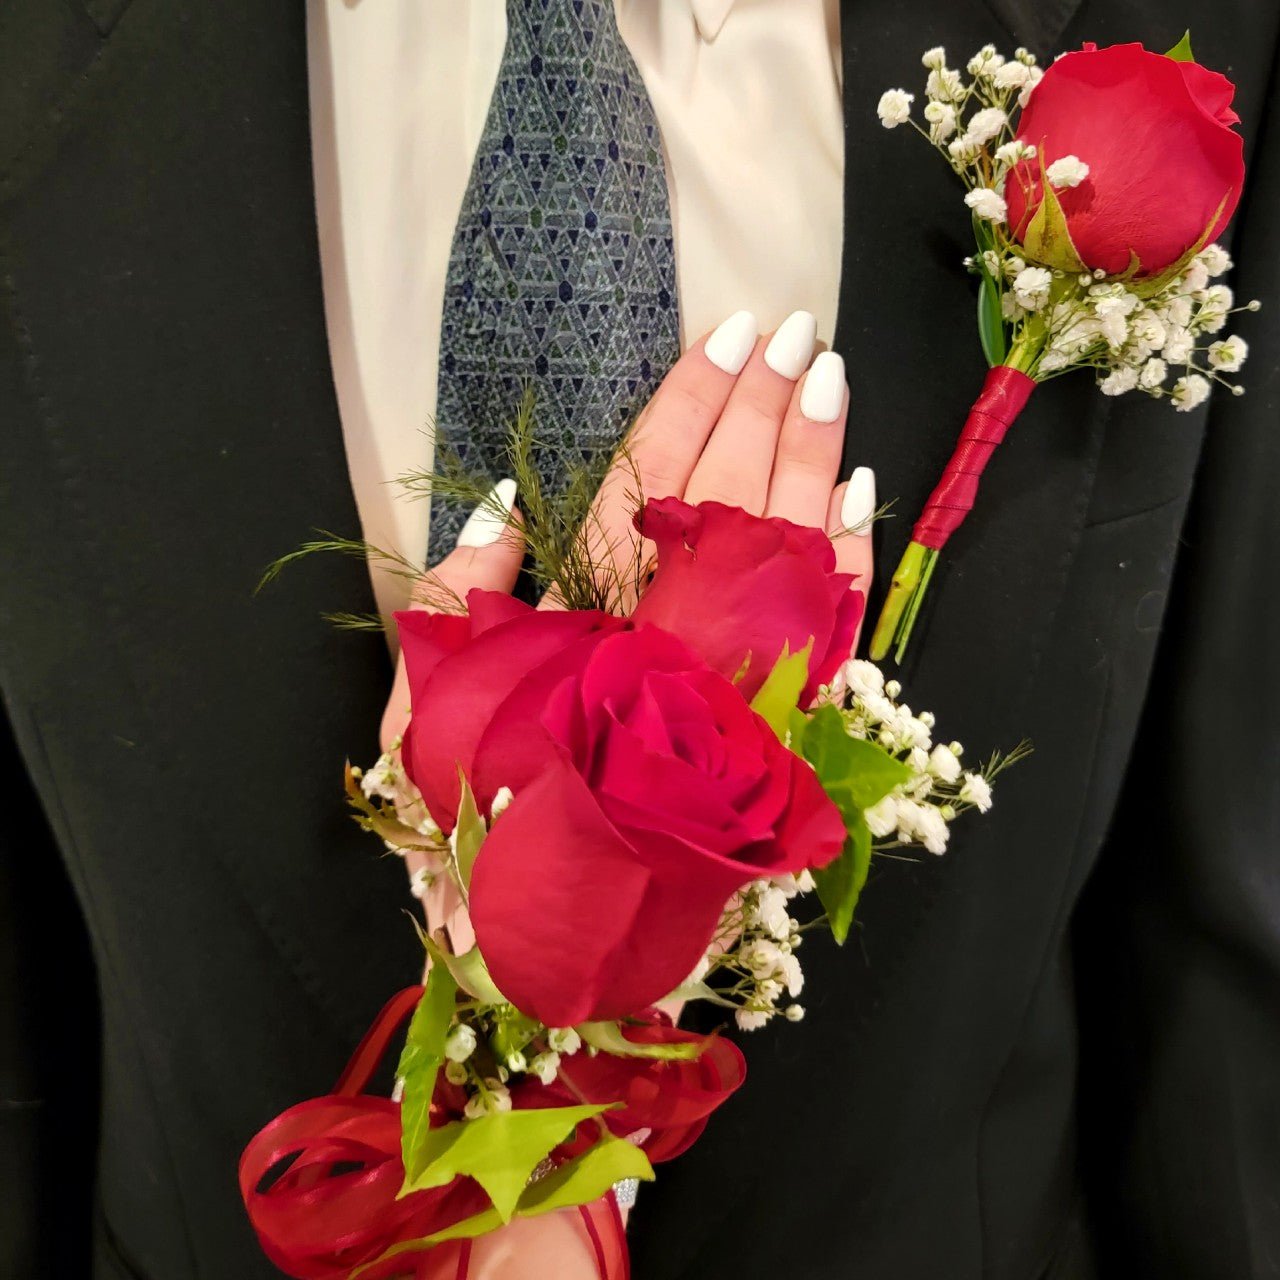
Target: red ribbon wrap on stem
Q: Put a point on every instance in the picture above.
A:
(1005, 393)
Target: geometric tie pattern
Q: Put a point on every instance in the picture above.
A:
(562, 271)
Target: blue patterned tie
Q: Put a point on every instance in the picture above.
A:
(562, 272)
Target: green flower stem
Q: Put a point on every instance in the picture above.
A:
(906, 579)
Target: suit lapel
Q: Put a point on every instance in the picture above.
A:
(191, 415)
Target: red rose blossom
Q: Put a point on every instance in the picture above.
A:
(646, 792)
(737, 589)
(1165, 165)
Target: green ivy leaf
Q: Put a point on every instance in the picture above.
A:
(779, 695)
(855, 773)
(419, 1064)
(469, 831)
(1181, 52)
(500, 1151)
(840, 884)
(608, 1038)
(991, 322)
(586, 1177)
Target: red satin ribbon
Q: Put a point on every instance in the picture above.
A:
(1005, 393)
(320, 1184)
(602, 1221)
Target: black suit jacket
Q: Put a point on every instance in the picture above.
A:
(1053, 1053)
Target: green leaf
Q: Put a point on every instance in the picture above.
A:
(1047, 239)
(855, 773)
(500, 1150)
(470, 973)
(478, 1224)
(1181, 52)
(608, 1038)
(797, 726)
(419, 1064)
(991, 322)
(1149, 286)
(779, 695)
(587, 1177)
(840, 883)
(512, 1033)
(984, 234)
(373, 819)
(469, 831)
(687, 991)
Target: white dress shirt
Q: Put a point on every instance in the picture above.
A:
(747, 98)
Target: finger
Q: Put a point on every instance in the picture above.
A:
(809, 446)
(737, 461)
(849, 522)
(487, 555)
(665, 443)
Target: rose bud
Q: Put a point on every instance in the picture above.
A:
(738, 589)
(1165, 167)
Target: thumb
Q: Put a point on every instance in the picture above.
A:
(488, 555)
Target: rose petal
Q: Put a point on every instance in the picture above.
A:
(574, 923)
(462, 690)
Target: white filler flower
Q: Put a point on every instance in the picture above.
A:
(1070, 171)
(1190, 392)
(460, 1043)
(1229, 354)
(895, 107)
(986, 124)
(987, 204)
(1031, 287)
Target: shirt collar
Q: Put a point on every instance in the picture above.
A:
(710, 16)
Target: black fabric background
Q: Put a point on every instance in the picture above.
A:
(1051, 1053)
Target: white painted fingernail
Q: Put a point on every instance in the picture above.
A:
(791, 347)
(731, 344)
(859, 503)
(484, 525)
(822, 396)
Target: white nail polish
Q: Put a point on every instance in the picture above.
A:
(859, 503)
(731, 344)
(484, 526)
(822, 396)
(791, 347)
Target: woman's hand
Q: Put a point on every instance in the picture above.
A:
(742, 420)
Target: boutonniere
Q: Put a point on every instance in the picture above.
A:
(1097, 188)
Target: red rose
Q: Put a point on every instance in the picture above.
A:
(1165, 165)
(737, 588)
(646, 793)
